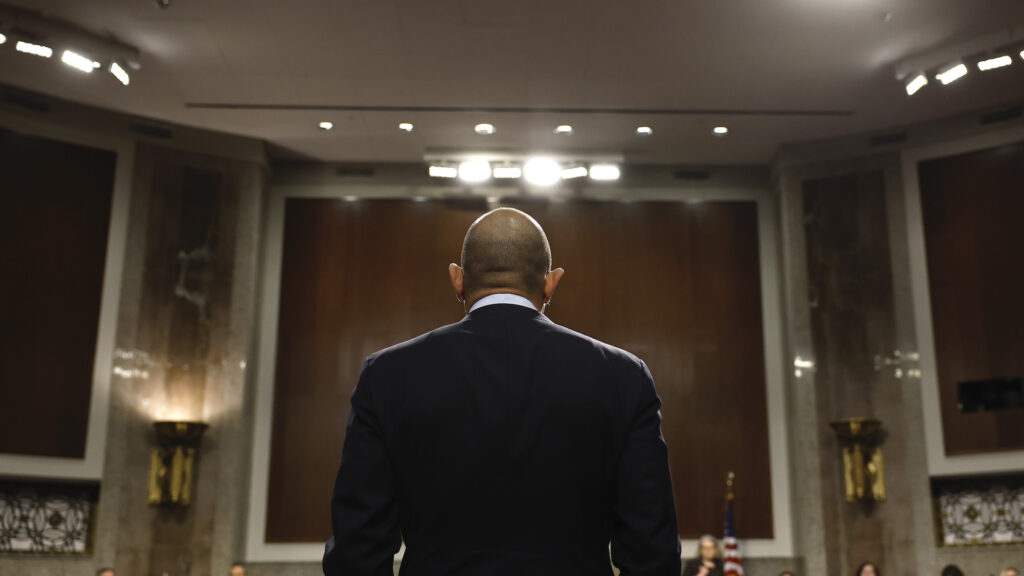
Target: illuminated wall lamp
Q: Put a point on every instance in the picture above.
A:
(863, 469)
(172, 463)
(952, 73)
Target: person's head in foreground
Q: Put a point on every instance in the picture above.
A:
(868, 569)
(238, 569)
(785, 573)
(505, 252)
(1011, 571)
(952, 570)
(105, 571)
(707, 548)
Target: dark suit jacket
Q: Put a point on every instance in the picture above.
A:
(504, 444)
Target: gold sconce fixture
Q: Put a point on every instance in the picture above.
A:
(863, 469)
(172, 464)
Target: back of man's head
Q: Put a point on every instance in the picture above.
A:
(505, 249)
(106, 571)
(238, 569)
(1011, 571)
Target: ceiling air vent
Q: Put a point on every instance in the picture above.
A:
(359, 170)
(887, 139)
(1001, 115)
(27, 101)
(691, 174)
(152, 131)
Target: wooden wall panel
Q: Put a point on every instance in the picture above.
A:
(972, 206)
(54, 215)
(678, 284)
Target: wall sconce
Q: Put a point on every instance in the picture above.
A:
(172, 464)
(863, 469)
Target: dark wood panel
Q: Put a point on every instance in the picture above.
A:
(972, 206)
(53, 237)
(678, 284)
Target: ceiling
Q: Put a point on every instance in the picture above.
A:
(773, 71)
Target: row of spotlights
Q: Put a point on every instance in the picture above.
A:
(537, 171)
(487, 129)
(71, 58)
(958, 70)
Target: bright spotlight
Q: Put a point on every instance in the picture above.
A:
(326, 126)
(475, 171)
(564, 130)
(34, 49)
(574, 172)
(508, 172)
(720, 130)
(78, 62)
(3, 38)
(916, 83)
(120, 73)
(644, 131)
(604, 172)
(993, 63)
(441, 171)
(405, 127)
(542, 171)
(952, 74)
(485, 129)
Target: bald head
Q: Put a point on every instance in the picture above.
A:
(505, 249)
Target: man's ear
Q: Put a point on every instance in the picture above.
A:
(455, 275)
(551, 283)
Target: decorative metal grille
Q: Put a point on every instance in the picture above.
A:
(47, 518)
(979, 511)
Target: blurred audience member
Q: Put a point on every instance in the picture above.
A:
(238, 569)
(708, 561)
(106, 571)
(1011, 571)
(868, 569)
(952, 570)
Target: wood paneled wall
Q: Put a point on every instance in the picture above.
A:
(972, 206)
(55, 203)
(678, 284)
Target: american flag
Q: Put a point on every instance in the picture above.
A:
(733, 566)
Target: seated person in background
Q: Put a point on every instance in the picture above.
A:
(238, 569)
(952, 570)
(868, 569)
(105, 571)
(786, 573)
(1011, 571)
(708, 561)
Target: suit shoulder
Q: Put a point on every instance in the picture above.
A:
(402, 350)
(612, 354)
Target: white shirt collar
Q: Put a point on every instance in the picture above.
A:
(503, 299)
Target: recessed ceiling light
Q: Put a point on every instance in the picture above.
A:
(508, 172)
(564, 130)
(34, 49)
(419, 198)
(604, 172)
(351, 198)
(644, 131)
(78, 62)
(542, 171)
(574, 172)
(119, 73)
(475, 171)
(443, 171)
(993, 63)
(326, 126)
(405, 127)
(720, 130)
(916, 83)
(952, 74)
(3, 38)
(485, 129)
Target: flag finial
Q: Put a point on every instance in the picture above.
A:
(729, 479)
